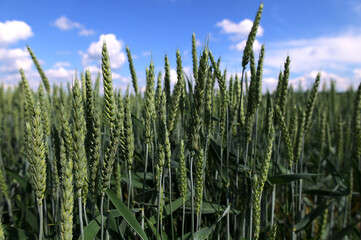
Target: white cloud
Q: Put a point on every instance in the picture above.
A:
(61, 64)
(335, 52)
(86, 32)
(173, 76)
(13, 31)
(115, 50)
(239, 30)
(13, 59)
(269, 84)
(357, 73)
(188, 71)
(306, 81)
(65, 24)
(198, 43)
(240, 46)
(60, 75)
(146, 54)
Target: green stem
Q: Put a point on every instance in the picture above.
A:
(183, 219)
(227, 170)
(159, 205)
(144, 176)
(192, 195)
(41, 223)
(101, 217)
(170, 201)
(81, 218)
(130, 186)
(85, 216)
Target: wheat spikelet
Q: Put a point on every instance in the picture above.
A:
(173, 113)
(167, 79)
(194, 56)
(109, 110)
(40, 70)
(251, 37)
(67, 195)
(78, 135)
(285, 134)
(182, 173)
(149, 107)
(199, 180)
(36, 154)
(311, 103)
(132, 71)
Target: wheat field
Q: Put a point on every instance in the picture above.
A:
(212, 157)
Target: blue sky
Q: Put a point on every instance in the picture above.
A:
(67, 35)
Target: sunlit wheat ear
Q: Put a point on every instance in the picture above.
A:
(283, 85)
(83, 87)
(44, 111)
(167, 79)
(311, 103)
(40, 70)
(208, 103)
(194, 56)
(259, 179)
(132, 71)
(95, 144)
(128, 133)
(158, 92)
(289, 146)
(183, 188)
(67, 197)
(109, 101)
(196, 111)
(36, 154)
(254, 93)
(199, 180)
(251, 37)
(149, 106)
(300, 132)
(78, 136)
(29, 98)
(159, 177)
(177, 92)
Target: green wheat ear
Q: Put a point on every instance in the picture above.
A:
(2, 235)
(194, 56)
(128, 133)
(311, 103)
(40, 70)
(132, 70)
(78, 135)
(167, 80)
(36, 154)
(109, 110)
(29, 98)
(251, 37)
(199, 181)
(149, 107)
(174, 107)
(183, 188)
(67, 197)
